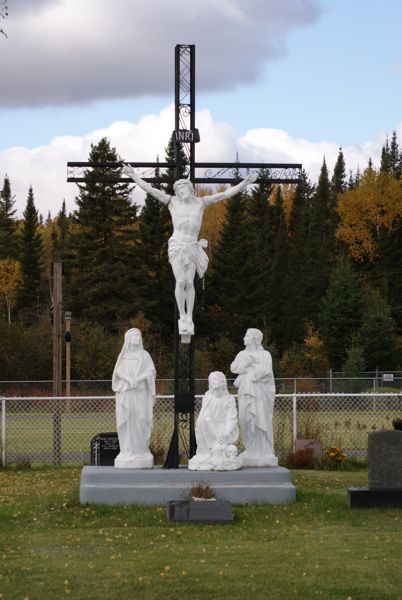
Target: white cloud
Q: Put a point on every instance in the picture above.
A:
(76, 51)
(45, 167)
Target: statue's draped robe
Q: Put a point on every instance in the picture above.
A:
(256, 396)
(134, 407)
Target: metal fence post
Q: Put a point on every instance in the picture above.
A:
(3, 432)
(294, 420)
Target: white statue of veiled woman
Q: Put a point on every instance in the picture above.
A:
(256, 396)
(216, 429)
(134, 383)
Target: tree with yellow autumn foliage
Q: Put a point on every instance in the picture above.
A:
(10, 282)
(368, 212)
(371, 227)
(307, 359)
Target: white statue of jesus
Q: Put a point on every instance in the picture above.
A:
(256, 396)
(186, 251)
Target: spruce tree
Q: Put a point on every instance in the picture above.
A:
(378, 333)
(102, 267)
(155, 229)
(262, 226)
(173, 174)
(338, 186)
(341, 313)
(59, 234)
(394, 157)
(29, 297)
(9, 242)
(320, 244)
(338, 181)
(227, 276)
(385, 158)
(354, 364)
(277, 294)
(295, 303)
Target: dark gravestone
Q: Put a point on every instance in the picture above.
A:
(200, 511)
(384, 473)
(385, 460)
(104, 449)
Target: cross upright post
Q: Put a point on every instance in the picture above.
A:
(184, 353)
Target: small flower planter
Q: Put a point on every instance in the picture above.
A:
(200, 510)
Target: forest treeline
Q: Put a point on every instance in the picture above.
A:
(316, 266)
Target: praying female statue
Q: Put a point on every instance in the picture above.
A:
(216, 429)
(134, 383)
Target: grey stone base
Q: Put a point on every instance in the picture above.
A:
(252, 485)
(377, 498)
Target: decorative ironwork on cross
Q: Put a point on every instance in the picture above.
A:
(185, 136)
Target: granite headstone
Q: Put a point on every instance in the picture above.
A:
(384, 473)
(385, 460)
(104, 449)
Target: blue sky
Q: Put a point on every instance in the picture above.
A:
(280, 79)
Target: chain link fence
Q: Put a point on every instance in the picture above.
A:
(40, 430)
(336, 383)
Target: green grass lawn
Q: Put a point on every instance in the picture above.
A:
(52, 547)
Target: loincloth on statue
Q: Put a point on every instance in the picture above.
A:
(188, 253)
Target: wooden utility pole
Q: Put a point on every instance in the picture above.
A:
(67, 339)
(57, 313)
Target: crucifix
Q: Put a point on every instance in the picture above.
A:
(186, 253)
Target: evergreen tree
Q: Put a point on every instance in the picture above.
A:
(385, 158)
(320, 243)
(351, 181)
(338, 186)
(338, 181)
(295, 302)
(394, 158)
(354, 364)
(170, 178)
(155, 229)
(262, 227)
(59, 234)
(227, 276)
(103, 269)
(29, 297)
(278, 293)
(378, 333)
(341, 312)
(9, 243)
(353, 367)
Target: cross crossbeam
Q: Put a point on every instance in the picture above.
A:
(204, 172)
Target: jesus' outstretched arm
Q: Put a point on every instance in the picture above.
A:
(144, 185)
(232, 191)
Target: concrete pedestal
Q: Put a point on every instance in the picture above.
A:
(108, 485)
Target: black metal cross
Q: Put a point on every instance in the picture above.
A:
(186, 136)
